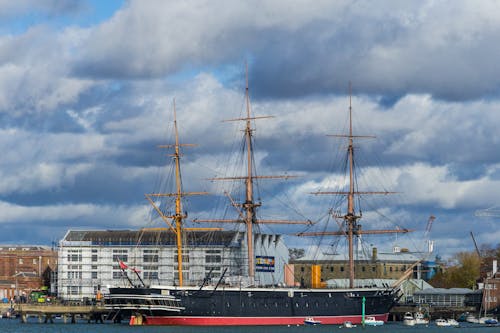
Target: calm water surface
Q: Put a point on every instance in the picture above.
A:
(14, 325)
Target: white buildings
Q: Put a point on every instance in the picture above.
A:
(89, 260)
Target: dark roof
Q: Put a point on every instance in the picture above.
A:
(148, 237)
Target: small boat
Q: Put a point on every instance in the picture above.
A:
(371, 321)
(453, 322)
(491, 321)
(482, 320)
(311, 321)
(408, 319)
(420, 319)
(347, 324)
(470, 318)
(442, 322)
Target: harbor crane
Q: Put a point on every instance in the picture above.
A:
(482, 268)
(475, 245)
(429, 225)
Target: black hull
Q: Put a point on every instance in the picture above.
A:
(254, 306)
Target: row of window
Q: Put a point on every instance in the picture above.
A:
(74, 255)
(73, 290)
(441, 300)
(116, 275)
(363, 268)
(149, 256)
(77, 290)
(35, 261)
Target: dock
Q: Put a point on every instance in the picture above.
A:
(46, 313)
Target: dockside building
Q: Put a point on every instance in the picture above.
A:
(24, 269)
(89, 261)
(377, 266)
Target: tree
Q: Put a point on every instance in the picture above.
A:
(463, 275)
(468, 272)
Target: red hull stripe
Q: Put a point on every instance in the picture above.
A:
(252, 321)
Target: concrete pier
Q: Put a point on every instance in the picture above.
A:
(46, 313)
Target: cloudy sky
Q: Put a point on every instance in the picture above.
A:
(87, 90)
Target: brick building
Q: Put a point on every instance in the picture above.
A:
(491, 292)
(25, 268)
(387, 266)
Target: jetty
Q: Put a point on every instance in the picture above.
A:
(69, 313)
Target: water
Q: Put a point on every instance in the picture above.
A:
(14, 325)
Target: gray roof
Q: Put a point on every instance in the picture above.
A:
(344, 283)
(406, 257)
(148, 237)
(443, 291)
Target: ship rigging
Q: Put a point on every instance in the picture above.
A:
(351, 217)
(226, 304)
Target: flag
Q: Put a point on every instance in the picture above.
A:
(135, 270)
(122, 264)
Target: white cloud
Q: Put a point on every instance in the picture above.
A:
(40, 177)
(157, 36)
(63, 125)
(34, 72)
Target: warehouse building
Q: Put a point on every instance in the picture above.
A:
(373, 266)
(89, 261)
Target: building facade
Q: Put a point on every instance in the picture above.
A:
(453, 297)
(25, 268)
(491, 291)
(90, 260)
(377, 266)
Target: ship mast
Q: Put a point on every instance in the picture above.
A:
(249, 204)
(178, 217)
(248, 215)
(350, 218)
(175, 221)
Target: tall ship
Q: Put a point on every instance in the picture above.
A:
(222, 304)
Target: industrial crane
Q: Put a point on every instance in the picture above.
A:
(475, 245)
(482, 268)
(429, 225)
